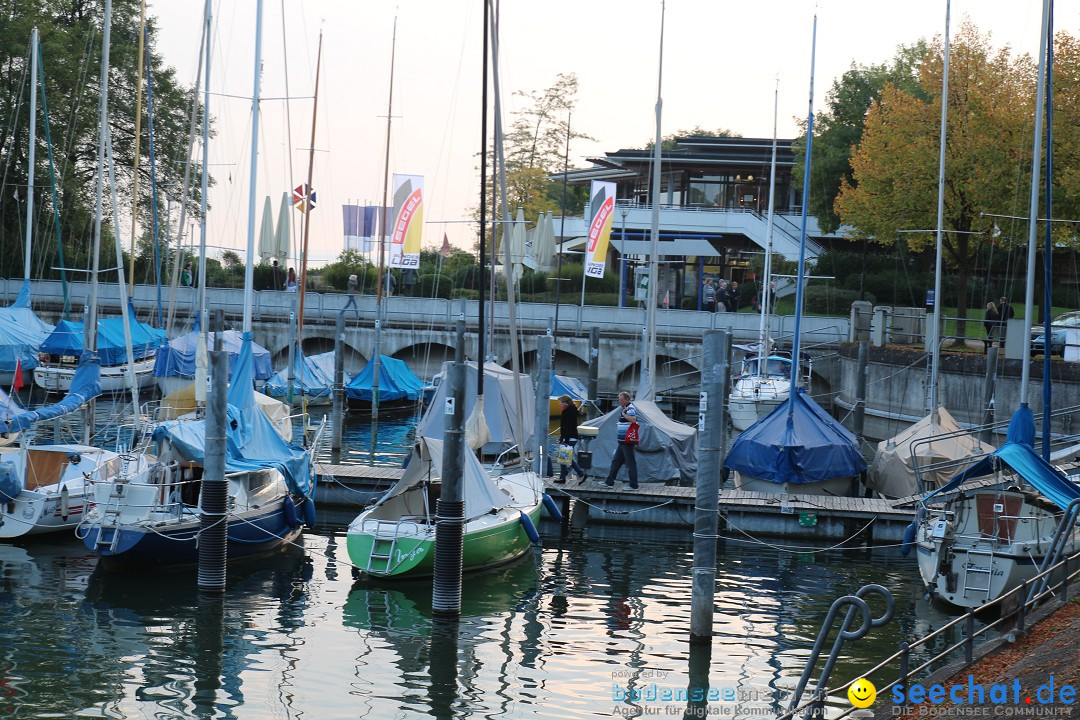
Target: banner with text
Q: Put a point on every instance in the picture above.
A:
(602, 208)
(408, 221)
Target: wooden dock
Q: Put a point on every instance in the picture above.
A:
(810, 517)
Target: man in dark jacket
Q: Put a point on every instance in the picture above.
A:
(568, 435)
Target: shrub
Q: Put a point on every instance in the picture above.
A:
(825, 300)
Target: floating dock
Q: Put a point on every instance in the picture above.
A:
(808, 517)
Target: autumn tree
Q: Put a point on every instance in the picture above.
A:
(987, 158)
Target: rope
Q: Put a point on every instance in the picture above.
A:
(804, 549)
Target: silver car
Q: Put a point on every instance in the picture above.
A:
(1058, 326)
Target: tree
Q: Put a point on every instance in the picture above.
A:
(71, 55)
(839, 127)
(987, 164)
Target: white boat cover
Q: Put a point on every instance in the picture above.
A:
(667, 451)
(480, 493)
(499, 407)
(893, 471)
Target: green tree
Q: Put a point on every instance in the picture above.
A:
(71, 61)
(839, 128)
(987, 165)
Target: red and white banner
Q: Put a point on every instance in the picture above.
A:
(602, 209)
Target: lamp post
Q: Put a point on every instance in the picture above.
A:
(622, 259)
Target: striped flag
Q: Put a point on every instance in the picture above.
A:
(361, 226)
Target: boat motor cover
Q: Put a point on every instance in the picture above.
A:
(313, 376)
(798, 442)
(21, 333)
(177, 357)
(252, 443)
(85, 385)
(396, 382)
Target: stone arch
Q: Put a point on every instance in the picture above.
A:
(676, 374)
(425, 359)
(567, 363)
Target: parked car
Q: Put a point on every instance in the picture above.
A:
(1058, 326)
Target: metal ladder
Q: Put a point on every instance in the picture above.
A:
(976, 571)
(110, 515)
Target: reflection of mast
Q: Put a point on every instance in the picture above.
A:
(380, 281)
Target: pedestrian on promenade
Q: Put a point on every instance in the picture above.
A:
(352, 297)
(708, 296)
(624, 452)
(733, 297)
(568, 435)
(185, 275)
(721, 296)
(389, 283)
(290, 281)
(990, 322)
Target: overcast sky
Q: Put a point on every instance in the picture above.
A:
(721, 60)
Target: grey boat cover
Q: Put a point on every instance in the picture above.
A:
(499, 407)
(667, 451)
(480, 493)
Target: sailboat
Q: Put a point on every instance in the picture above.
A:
(153, 519)
(764, 381)
(396, 537)
(932, 449)
(61, 350)
(44, 488)
(798, 447)
(983, 542)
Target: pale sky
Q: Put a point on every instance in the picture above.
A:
(721, 61)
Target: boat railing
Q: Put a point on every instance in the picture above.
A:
(1015, 607)
(406, 526)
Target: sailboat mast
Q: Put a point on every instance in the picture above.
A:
(647, 384)
(138, 138)
(205, 176)
(307, 203)
(799, 281)
(1048, 248)
(33, 147)
(482, 254)
(934, 334)
(249, 266)
(379, 282)
(763, 291)
(1033, 211)
(103, 118)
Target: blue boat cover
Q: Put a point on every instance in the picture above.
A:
(21, 333)
(313, 376)
(85, 385)
(67, 339)
(563, 385)
(1018, 453)
(177, 357)
(396, 382)
(251, 441)
(799, 444)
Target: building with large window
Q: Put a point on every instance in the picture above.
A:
(714, 200)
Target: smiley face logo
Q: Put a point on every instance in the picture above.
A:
(862, 693)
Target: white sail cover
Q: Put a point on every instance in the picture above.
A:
(480, 493)
(500, 413)
(893, 471)
(667, 451)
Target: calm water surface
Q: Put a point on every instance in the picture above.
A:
(571, 631)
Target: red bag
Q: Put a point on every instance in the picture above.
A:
(633, 434)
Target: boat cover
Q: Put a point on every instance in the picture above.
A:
(667, 450)
(479, 491)
(177, 357)
(798, 442)
(893, 471)
(21, 333)
(67, 339)
(565, 385)
(1018, 454)
(85, 385)
(500, 405)
(396, 382)
(251, 441)
(313, 376)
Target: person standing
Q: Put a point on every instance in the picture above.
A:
(352, 287)
(1005, 313)
(990, 323)
(389, 283)
(733, 297)
(275, 275)
(568, 435)
(708, 296)
(290, 281)
(185, 275)
(624, 452)
(721, 296)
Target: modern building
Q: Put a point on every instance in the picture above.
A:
(714, 200)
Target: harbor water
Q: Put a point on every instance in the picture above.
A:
(593, 624)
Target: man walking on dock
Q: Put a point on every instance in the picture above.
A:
(627, 437)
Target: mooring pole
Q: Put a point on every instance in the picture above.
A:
(544, 345)
(860, 389)
(594, 369)
(717, 347)
(213, 523)
(290, 371)
(339, 382)
(987, 434)
(450, 512)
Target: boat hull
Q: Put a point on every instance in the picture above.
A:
(174, 544)
(754, 397)
(113, 380)
(35, 513)
(413, 555)
(840, 486)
